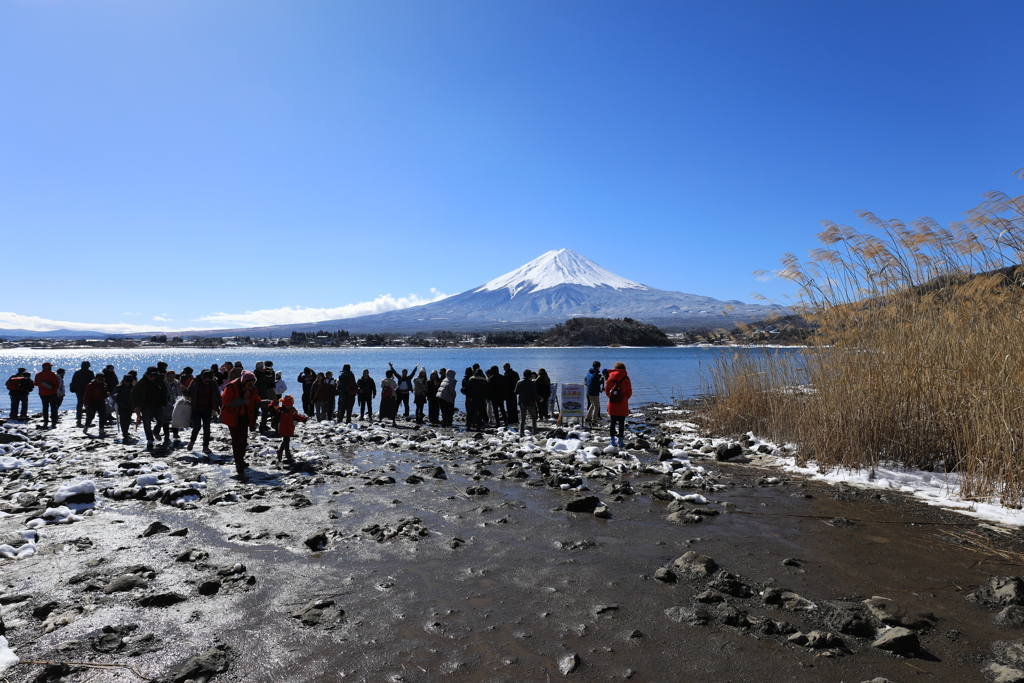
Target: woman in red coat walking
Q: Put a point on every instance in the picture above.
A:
(240, 402)
(618, 389)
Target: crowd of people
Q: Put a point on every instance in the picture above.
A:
(166, 402)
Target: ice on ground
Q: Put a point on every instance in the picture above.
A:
(563, 445)
(934, 488)
(69, 490)
(57, 515)
(7, 657)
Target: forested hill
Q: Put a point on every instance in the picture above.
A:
(603, 332)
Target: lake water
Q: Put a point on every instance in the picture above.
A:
(658, 374)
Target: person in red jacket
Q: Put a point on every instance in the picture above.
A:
(618, 389)
(49, 384)
(287, 416)
(95, 398)
(240, 402)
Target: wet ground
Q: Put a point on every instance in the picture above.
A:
(502, 585)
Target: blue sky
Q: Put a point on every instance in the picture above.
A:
(200, 164)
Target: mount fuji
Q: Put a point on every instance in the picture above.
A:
(552, 288)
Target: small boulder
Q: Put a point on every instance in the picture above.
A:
(999, 591)
(569, 663)
(125, 582)
(898, 640)
(1004, 674)
(1012, 617)
(317, 540)
(155, 528)
(695, 563)
(582, 504)
(205, 666)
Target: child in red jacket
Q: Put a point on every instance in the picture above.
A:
(288, 415)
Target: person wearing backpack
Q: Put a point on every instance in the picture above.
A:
(594, 382)
(618, 389)
(19, 386)
(49, 384)
(79, 381)
(96, 404)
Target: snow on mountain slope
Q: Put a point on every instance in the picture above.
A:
(554, 268)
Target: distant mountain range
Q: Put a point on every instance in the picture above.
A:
(552, 288)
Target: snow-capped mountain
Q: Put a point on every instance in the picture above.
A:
(555, 268)
(552, 288)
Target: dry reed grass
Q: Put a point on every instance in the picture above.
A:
(917, 356)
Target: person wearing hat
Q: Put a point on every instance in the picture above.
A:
(287, 416)
(49, 384)
(19, 386)
(79, 381)
(240, 402)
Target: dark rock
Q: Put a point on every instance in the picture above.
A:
(44, 610)
(731, 616)
(602, 512)
(792, 562)
(13, 598)
(684, 518)
(709, 597)
(695, 563)
(999, 591)
(730, 585)
(1012, 616)
(210, 587)
(317, 540)
(477, 491)
(898, 640)
(125, 582)
(889, 612)
(604, 609)
(665, 575)
(192, 555)
(455, 543)
(582, 504)
(171, 496)
(179, 532)
(1009, 652)
(852, 621)
(155, 528)
(205, 666)
(726, 451)
(439, 473)
(162, 599)
(258, 508)
(414, 479)
(787, 600)
(685, 615)
(319, 613)
(816, 640)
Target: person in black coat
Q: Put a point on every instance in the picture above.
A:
(79, 381)
(496, 395)
(476, 389)
(511, 380)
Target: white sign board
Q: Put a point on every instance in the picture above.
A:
(573, 400)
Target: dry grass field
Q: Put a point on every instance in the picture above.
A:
(917, 357)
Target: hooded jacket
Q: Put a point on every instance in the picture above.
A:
(618, 378)
(447, 390)
(244, 409)
(51, 378)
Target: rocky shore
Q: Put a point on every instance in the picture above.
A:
(420, 554)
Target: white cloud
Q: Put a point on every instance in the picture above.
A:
(289, 315)
(260, 318)
(37, 324)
